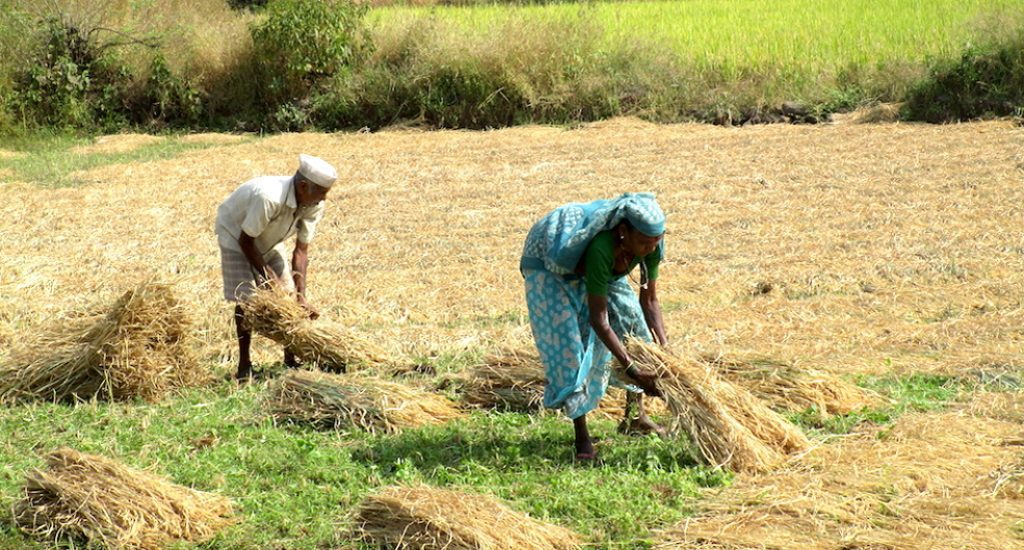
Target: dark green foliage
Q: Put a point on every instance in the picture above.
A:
(251, 5)
(301, 42)
(168, 99)
(71, 80)
(987, 80)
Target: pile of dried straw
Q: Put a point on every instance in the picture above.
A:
(341, 401)
(729, 426)
(91, 498)
(936, 480)
(274, 313)
(142, 347)
(788, 388)
(423, 517)
(513, 380)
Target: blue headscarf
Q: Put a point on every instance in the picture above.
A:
(558, 241)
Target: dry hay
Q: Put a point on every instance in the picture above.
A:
(618, 124)
(510, 380)
(274, 313)
(213, 139)
(786, 387)
(513, 380)
(140, 347)
(910, 257)
(875, 114)
(939, 480)
(81, 496)
(7, 155)
(428, 518)
(728, 426)
(117, 143)
(334, 401)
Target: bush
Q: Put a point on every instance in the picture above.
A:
(251, 5)
(168, 99)
(301, 42)
(987, 80)
(71, 81)
(518, 73)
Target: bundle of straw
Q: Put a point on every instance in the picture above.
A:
(787, 388)
(99, 500)
(424, 517)
(729, 426)
(513, 380)
(335, 401)
(273, 312)
(141, 347)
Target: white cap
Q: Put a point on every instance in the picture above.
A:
(317, 171)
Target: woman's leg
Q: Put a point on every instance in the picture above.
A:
(566, 349)
(627, 321)
(584, 445)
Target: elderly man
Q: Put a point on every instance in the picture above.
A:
(252, 225)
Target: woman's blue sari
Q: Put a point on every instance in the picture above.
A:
(575, 360)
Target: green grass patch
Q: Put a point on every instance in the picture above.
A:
(50, 160)
(912, 393)
(295, 486)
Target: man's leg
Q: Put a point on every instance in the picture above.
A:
(244, 342)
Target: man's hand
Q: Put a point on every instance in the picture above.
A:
(645, 380)
(310, 310)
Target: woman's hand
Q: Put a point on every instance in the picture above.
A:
(645, 380)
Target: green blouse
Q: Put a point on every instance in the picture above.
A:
(599, 260)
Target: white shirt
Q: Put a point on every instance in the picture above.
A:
(265, 209)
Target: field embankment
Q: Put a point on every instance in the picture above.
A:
(113, 64)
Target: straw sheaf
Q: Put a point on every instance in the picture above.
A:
(427, 518)
(947, 480)
(334, 401)
(514, 380)
(98, 500)
(728, 426)
(786, 387)
(141, 347)
(274, 313)
(511, 380)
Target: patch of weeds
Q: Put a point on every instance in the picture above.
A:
(916, 392)
(50, 160)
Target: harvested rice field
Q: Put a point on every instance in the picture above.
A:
(886, 257)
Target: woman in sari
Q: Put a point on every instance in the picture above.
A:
(582, 308)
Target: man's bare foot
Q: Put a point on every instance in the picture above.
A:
(244, 374)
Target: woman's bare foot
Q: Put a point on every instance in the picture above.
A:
(585, 451)
(641, 425)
